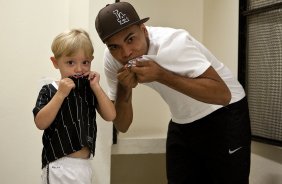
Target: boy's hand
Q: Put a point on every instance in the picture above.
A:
(65, 86)
(94, 79)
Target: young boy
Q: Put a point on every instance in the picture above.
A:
(66, 111)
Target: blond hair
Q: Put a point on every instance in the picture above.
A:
(70, 42)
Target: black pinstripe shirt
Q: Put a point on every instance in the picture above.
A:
(75, 124)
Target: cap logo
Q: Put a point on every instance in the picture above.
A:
(121, 17)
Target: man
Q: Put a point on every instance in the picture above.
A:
(208, 137)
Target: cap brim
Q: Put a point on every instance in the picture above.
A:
(133, 23)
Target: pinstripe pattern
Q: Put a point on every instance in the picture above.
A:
(75, 124)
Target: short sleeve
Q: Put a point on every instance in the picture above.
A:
(111, 67)
(45, 95)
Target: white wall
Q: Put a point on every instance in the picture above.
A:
(220, 33)
(102, 160)
(27, 30)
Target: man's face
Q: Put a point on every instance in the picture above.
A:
(129, 43)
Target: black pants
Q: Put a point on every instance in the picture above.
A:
(212, 150)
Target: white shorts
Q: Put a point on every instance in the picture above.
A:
(68, 170)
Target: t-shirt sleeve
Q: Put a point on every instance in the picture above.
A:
(111, 67)
(181, 55)
(42, 99)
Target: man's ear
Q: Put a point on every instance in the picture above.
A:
(54, 61)
(144, 29)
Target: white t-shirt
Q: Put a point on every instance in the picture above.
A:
(177, 51)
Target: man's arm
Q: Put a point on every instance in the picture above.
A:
(208, 87)
(123, 103)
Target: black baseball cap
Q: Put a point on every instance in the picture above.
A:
(115, 17)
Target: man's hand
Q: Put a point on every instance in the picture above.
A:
(147, 71)
(127, 78)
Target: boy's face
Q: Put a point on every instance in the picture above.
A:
(129, 43)
(78, 64)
